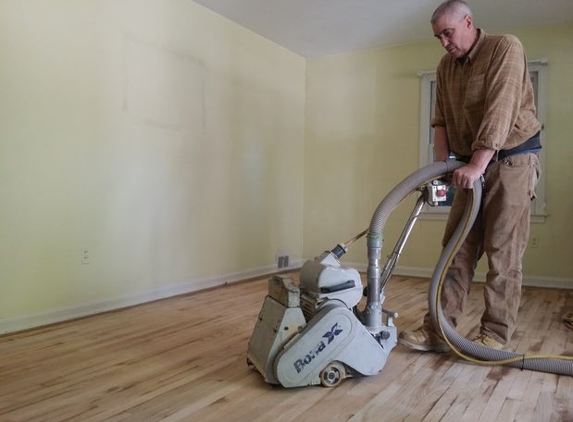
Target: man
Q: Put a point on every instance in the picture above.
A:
(485, 116)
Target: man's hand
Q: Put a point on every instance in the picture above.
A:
(465, 176)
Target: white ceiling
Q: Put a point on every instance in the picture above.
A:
(314, 28)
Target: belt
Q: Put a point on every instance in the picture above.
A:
(533, 144)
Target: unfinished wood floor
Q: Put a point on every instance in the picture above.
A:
(184, 359)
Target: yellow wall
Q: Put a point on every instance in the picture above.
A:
(183, 151)
(362, 138)
(163, 138)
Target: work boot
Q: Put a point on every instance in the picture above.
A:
(423, 339)
(487, 341)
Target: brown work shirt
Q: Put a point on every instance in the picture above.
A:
(485, 100)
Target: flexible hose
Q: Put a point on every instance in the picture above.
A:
(461, 346)
(373, 311)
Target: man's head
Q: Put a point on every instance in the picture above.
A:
(453, 26)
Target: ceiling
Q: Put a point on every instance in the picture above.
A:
(314, 28)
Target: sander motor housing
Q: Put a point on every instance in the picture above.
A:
(311, 334)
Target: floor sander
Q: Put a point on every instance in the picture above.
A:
(314, 332)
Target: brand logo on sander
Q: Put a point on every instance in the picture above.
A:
(299, 364)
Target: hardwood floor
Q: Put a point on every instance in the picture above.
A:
(184, 359)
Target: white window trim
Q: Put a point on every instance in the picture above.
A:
(426, 154)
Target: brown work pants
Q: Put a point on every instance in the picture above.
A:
(501, 231)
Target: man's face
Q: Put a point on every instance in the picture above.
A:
(455, 34)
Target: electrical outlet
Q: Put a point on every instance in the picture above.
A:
(85, 256)
(534, 242)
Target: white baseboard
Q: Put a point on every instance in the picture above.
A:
(530, 281)
(24, 322)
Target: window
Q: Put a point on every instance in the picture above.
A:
(537, 70)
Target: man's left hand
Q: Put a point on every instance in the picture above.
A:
(465, 176)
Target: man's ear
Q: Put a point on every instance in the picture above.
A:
(468, 21)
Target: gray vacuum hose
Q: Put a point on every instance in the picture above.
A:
(460, 345)
(465, 348)
(373, 312)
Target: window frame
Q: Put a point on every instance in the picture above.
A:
(538, 72)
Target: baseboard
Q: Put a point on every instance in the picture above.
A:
(531, 281)
(25, 322)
